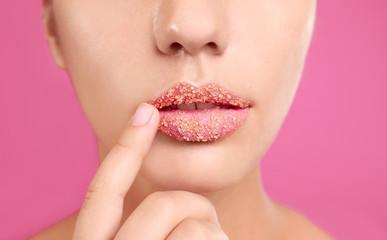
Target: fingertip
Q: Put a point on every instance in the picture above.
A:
(155, 114)
(145, 114)
(142, 115)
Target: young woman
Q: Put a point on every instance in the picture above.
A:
(216, 78)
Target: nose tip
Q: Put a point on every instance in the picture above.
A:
(189, 26)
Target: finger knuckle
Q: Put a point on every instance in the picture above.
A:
(208, 203)
(198, 198)
(192, 228)
(161, 202)
(201, 201)
(95, 189)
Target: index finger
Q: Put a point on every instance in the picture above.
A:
(101, 212)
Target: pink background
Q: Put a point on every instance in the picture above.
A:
(329, 160)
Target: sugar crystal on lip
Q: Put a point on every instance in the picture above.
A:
(185, 93)
(200, 125)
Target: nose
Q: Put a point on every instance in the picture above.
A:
(191, 26)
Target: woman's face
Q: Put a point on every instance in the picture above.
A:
(121, 53)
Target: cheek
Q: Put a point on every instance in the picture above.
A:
(99, 40)
(273, 49)
(105, 60)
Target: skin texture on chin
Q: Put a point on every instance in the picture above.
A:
(121, 53)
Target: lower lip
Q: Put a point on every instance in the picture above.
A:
(202, 125)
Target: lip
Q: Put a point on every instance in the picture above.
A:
(200, 125)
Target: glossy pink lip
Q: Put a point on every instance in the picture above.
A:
(200, 125)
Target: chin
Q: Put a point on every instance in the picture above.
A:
(200, 167)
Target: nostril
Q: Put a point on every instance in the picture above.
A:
(175, 46)
(212, 45)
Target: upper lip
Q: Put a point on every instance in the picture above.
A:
(186, 93)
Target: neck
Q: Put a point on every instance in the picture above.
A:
(244, 210)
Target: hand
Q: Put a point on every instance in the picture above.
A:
(167, 215)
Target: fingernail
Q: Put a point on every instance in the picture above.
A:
(142, 115)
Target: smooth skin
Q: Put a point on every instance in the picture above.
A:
(120, 54)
